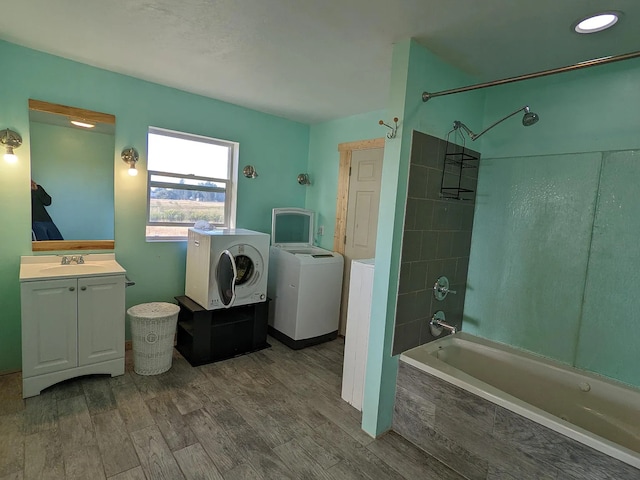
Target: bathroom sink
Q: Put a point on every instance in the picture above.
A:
(49, 267)
(75, 269)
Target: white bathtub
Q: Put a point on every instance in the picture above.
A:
(593, 410)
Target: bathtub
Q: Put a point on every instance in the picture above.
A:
(441, 381)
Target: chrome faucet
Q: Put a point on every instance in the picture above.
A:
(437, 324)
(441, 288)
(68, 260)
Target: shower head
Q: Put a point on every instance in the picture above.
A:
(529, 117)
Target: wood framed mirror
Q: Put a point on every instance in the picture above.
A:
(73, 164)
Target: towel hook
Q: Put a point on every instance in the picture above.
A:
(392, 133)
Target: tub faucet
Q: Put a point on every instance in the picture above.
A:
(451, 328)
(437, 324)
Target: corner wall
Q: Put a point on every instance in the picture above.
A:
(324, 162)
(414, 69)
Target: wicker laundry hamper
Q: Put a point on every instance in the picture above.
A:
(153, 326)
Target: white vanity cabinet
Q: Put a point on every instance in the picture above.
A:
(72, 325)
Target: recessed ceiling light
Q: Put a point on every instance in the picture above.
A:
(597, 22)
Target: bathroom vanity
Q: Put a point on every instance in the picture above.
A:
(73, 318)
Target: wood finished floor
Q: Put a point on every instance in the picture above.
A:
(273, 414)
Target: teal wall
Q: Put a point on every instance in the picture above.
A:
(554, 257)
(277, 147)
(62, 159)
(609, 339)
(324, 162)
(414, 70)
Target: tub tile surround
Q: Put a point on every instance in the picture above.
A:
(436, 241)
(481, 440)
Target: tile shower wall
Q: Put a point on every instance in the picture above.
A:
(436, 241)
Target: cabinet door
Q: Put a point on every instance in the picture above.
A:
(100, 319)
(49, 336)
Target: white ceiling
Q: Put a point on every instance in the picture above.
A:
(310, 60)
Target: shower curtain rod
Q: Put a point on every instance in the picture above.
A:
(589, 63)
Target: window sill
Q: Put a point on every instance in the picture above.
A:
(165, 239)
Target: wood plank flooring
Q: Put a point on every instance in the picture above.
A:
(273, 414)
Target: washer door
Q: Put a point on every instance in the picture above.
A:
(238, 270)
(226, 277)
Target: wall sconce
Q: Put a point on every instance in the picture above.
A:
(10, 140)
(303, 179)
(130, 157)
(392, 133)
(249, 171)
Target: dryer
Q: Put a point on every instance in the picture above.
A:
(226, 267)
(304, 284)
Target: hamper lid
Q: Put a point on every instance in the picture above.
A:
(153, 310)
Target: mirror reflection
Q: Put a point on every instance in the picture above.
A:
(72, 156)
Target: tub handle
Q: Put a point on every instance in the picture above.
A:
(441, 288)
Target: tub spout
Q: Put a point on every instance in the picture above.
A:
(451, 328)
(437, 324)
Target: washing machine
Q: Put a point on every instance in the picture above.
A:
(304, 284)
(227, 267)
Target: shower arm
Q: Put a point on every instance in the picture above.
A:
(458, 124)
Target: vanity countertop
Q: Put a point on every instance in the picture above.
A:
(49, 267)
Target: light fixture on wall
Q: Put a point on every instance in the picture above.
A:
(130, 157)
(10, 140)
(249, 171)
(303, 179)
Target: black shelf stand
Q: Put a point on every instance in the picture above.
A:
(206, 336)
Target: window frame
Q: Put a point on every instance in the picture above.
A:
(230, 189)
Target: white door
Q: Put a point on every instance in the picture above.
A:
(49, 337)
(362, 216)
(101, 310)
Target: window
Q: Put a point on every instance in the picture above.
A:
(190, 178)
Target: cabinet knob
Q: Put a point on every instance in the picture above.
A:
(83, 288)
(71, 289)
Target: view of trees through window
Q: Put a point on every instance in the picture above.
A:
(179, 206)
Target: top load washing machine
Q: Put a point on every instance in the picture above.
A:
(305, 282)
(226, 267)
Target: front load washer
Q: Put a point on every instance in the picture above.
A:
(305, 282)
(226, 267)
